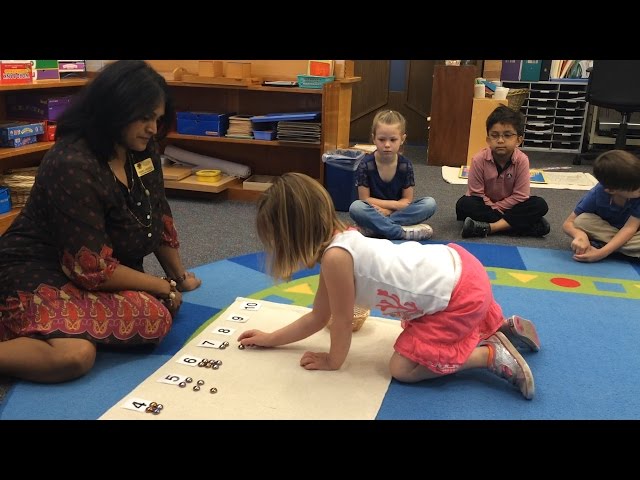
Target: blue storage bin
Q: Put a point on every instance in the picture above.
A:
(340, 176)
(264, 134)
(203, 123)
(5, 200)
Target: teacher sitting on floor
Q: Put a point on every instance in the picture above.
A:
(71, 264)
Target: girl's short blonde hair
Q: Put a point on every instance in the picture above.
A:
(296, 221)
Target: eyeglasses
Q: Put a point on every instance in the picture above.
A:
(506, 135)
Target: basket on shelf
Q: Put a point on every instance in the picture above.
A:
(516, 98)
(360, 314)
(313, 81)
(20, 181)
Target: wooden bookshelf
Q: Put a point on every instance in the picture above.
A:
(6, 219)
(29, 155)
(264, 157)
(42, 84)
(27, 149)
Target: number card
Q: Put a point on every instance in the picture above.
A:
(223, 330)
(210, 344)
(237, 318)
(251, 306)
(137, 404)
(172, 378)
(189, 360)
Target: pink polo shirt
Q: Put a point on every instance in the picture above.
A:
(500, 192)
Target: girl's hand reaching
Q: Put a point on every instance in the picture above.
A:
(255, 338)
(316, 361)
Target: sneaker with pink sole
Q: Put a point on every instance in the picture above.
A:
(506, 362)
(521, 331)
(420, 231)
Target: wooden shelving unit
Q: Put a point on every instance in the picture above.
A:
(7, 218)
(264, 157)
(42, 84)
(27, 149)
(29, 155)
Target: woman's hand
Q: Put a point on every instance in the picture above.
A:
(174, 305)
(255, 338)
(188, 282)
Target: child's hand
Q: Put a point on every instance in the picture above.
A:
(579, 245)
(383, 211)
(255, 338)
(316, 361)
(592, 254)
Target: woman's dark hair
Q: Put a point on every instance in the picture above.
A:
(123, 92)
(503, 114)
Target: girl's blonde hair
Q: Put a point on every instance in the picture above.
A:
(296, 221)
(388, 117)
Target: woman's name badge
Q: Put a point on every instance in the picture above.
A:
(144, 167)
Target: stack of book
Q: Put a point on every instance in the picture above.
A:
(240, 127)
(306, 132)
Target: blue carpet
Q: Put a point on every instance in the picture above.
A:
(586, 316)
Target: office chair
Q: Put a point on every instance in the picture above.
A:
(615, 84)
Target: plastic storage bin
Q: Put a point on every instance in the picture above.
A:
(340, 176)
(313, 81)
(5, 200)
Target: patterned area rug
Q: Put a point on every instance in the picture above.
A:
(586, 316)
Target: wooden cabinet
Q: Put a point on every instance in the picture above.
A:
(264, 157)
(482, 108)
(29, 155)
(451, 106)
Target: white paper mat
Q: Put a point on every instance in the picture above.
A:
(558, 180)
(261, 383)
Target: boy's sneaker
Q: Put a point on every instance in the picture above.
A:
(540, 228)
(474, 228)
(522, 331)
(506, 362)
(367, 232)
(597, 244)
(421, 231)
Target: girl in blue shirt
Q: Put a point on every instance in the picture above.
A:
(386, 206)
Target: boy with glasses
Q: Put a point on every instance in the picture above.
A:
(498, 193)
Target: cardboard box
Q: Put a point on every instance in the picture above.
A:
(72, 69)
(36, 106)
(19, 141)
(492, 69)
(258, 182)
(11, 130)
(49, 134)
(15, 72)
(202, 123)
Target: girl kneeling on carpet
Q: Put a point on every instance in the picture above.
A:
(450, 319)
(71, 264)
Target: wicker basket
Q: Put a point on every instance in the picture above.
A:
(20, 181)
(360, 314)
(516, 98)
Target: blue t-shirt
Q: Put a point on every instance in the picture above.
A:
(368, 176)
(601, 203)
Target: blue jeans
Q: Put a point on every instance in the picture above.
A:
(366, 216)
